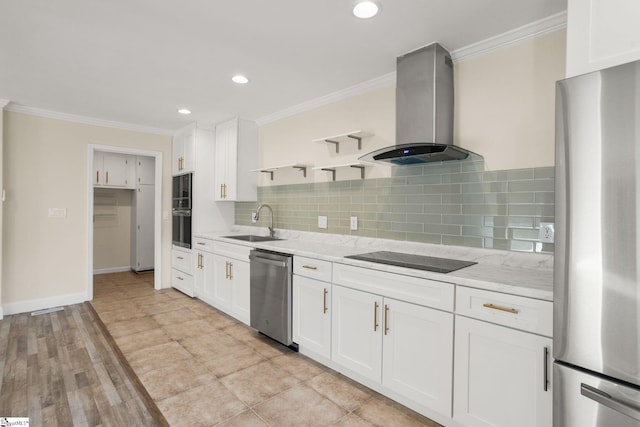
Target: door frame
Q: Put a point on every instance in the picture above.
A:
(157, 255)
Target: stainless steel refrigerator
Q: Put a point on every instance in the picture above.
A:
(597, 261)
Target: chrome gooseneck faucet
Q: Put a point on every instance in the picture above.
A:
(272, 232)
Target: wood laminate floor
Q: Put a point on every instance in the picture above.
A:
(59, 369)
(181, 362)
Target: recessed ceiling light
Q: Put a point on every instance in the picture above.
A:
(184, 111)
(365, 9)
(240, 79)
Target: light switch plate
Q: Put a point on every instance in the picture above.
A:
(322, 221)
(353, 224)
(57, 212)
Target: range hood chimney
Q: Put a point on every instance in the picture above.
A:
(424, 110)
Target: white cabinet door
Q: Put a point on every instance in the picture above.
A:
(502, 376)
(601, 34)
(312, 315)
(240, 298)
(117, 169)
(236, 156)
(356, 338)
(204, 275)
(418, 353)
(183, 150)
(113, 170)
(143, 238)
(226, 133)
(146, 170)
(222, 292)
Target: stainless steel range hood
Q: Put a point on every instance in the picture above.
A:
(424, 110)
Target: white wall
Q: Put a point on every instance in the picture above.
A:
(505, 103)
(45, 165)
(3, 103)
(504, 111)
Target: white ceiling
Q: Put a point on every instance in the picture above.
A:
(139, 61)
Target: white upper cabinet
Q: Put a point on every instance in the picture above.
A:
(236, 156)
(113, 170)
(145, 170)
(601, 34)
(184, 147)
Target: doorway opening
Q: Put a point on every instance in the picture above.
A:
(114, 212)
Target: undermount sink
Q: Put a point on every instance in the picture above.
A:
(252, 238)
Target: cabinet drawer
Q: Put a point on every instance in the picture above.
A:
(312, 268)
(416, 290)
(182, 260)
(182, 281)
(201, 244)
(230, 250)
(517, 312)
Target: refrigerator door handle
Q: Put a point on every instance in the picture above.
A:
(606, 400)
(545, 371)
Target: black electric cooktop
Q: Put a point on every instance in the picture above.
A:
(419, 262)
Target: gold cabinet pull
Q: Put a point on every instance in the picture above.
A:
(375, 316)
(226, 270)
(179, 257)
(221, 193)
(107, 177)
(309, 267)
(230, 271)
(200, 243)
(200, 266)
(97, 177)
(325, 308)
(179, 278)
(497, 307)
(386, 319)
(224, 193)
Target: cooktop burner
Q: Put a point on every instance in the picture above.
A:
(419, 262)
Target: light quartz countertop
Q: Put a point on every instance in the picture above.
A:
(515, 273)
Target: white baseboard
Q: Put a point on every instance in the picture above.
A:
(42, 303)
(112, 270)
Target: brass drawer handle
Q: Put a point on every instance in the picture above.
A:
(375, 316)
(179, 257)
(386, 319)
(200, 243)
(497, 307)
(310, 267)
(179, 278)
(325, 308)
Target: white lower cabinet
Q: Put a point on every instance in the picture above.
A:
(356, 336)
(312, 315)
(182, 270)
(222, 277)
(502, 376)
(405, 347)
(418, 353)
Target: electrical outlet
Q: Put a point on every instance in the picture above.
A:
(354, 223)
(253, 217)
(322, 221)
(547, 232)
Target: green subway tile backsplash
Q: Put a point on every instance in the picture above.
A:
(449, 203)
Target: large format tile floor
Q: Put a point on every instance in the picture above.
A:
(203, 368)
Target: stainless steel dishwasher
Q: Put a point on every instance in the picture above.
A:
(271, 274)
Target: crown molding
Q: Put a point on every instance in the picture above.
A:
(535, 29)
(4, 102)
(15, 108)
(382, 81)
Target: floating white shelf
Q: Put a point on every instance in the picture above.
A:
(332, 168)
(355, 135)
(270, 170)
